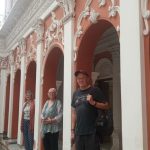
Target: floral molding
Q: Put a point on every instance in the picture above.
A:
(146, 16)
(17, 61)
(68, 6)
(92, 16)
(54, 32)
(4, 63)
(31, 52)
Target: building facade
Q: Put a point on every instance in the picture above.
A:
(43, 42)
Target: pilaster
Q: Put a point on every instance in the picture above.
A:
(22, 46)
(12, 75)
(3, 83)
(132, 77)
(68, 78)
(39, 29)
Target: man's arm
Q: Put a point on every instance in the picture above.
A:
(101, 105)
(73, 118)
(97, 104)
(73, 125)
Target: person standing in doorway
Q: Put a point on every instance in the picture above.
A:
(27, 121)
(85, 103)
(51, 121)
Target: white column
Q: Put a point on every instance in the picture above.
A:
(11, 97)
(132, 77)
(68, 73)
(3, 82)
(116, 102)
(22, 46)
(37, 124)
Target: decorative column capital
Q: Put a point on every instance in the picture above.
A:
(39, 29)
(146, 16)
(11, 59)
(22, 46)
(3, 63)
(68, 6)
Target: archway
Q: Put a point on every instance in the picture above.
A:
(99, 54)
(31, 77)
(7, 106)
(16, 96)
(53, 72)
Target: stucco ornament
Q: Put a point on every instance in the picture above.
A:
(113, 9)
(68, 5)
(11, 58)
(3, 63)
(54, 32)
(22, 46)
(93, 16)
(146, 16)
(18, 58)
(102, 3)
(84, 14)
(39, 29)
(31, 52)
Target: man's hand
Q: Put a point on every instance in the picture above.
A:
(72, 137)
(90, 99)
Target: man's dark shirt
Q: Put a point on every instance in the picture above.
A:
(86, 113)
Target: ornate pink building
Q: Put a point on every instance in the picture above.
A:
(43, 42)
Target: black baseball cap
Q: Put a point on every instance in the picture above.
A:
(81, 72)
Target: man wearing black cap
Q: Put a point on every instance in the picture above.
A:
(86, 100)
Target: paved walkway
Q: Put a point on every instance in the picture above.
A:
(9, 144)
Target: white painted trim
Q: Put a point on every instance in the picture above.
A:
(52, 7)
(11, 102)
(132, 95)
(28, 32)
(38, 94)
(21, 100)
(3, 98)
(68, 78)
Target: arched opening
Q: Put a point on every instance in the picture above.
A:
(16, 96)
(53, 77)
(7, 106)
(99, 54)
(31, 77)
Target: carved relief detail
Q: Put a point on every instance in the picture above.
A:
(93, 17)
(22, 46)
(86, 13)
(39, 29)
(18, 58)
(31, 52)
(54, 32)
(146, 16)
(68, 6)
(112, 10)
(4, 63)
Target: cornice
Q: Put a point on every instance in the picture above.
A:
(14, 15)
(2, 44)
(27, 20)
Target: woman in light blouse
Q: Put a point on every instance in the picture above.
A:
(51, 121)
(27, 121)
